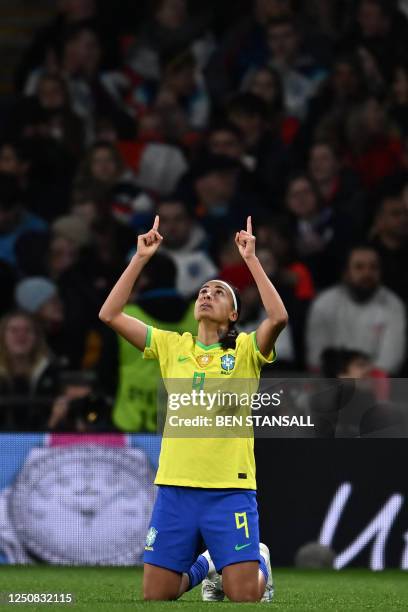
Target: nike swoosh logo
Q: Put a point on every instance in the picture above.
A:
(183, 358)
(238, 547)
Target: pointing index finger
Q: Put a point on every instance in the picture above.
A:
(249, 225)
(156, 223)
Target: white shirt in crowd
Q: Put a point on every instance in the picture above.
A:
(376, 327)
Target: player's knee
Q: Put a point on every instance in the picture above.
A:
(243, 593)
(154, 594)
(152, 591)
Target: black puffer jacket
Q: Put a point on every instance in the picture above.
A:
(25, 403)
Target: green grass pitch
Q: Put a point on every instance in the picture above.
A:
(102, 588)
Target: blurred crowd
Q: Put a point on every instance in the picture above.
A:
(293, 111)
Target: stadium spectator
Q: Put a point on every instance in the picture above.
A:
(276, 234)
(243, 46)
(110, 242)
(40, 297)
(389, 237)
(324, 18)
(380, 27)
(372, 72)
(13, 161)
(338, 185)
(180, 97)
(79, 406)
(349, 405)
(169, 25)
(211, 191)
(50, 138)
(398, 108)
(47, 40)
(225, 138)
(300, 72)
(122, 367)
(47, 112)
(28, 374)
(329, 108)
(94, 92)
(15, 219)
(103, 171)
(192, 107)
(266, 151)
(185, 242)
(359, 314)
(266, 83)
(158, 166)
(320, 233)
(253, 313)
(374, 148)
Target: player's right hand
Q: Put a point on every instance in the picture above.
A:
(147, 244)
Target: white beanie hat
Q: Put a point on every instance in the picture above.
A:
(161, 167)
(31, 293)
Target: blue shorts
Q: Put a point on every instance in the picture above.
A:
(225, 519)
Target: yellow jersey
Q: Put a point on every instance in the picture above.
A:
(206, 462)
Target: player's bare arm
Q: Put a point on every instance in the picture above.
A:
(111, 313)
(277, 316)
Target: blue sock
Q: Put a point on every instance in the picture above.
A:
(263, 568)
(198, 571)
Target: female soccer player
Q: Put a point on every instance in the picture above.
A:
(207, 486)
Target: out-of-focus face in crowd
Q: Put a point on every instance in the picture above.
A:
(268, 261)
(392, 219)
(363, 273)
(283, 41)
(10, 161)
(301, 198)
(251, 125)
(323, 163)
(345, 80)
(400, 85)
(86, 209)
(171, 14)
(104, 164)
(180, 78)
(51, 314)
(76, 9)
(19, 336)
(371, 18)
(264, 85)
(217, 187)
(63, 254)
(225, 142)
(51, 93)
(82, 53)
(358, 367)
(268, 9)
(373, 116)
(175, 224)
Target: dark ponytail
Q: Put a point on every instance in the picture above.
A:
(228, 338)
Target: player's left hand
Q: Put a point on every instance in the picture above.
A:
(245, 241)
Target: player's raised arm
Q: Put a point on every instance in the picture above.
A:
(111, 312)
(277, 316)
